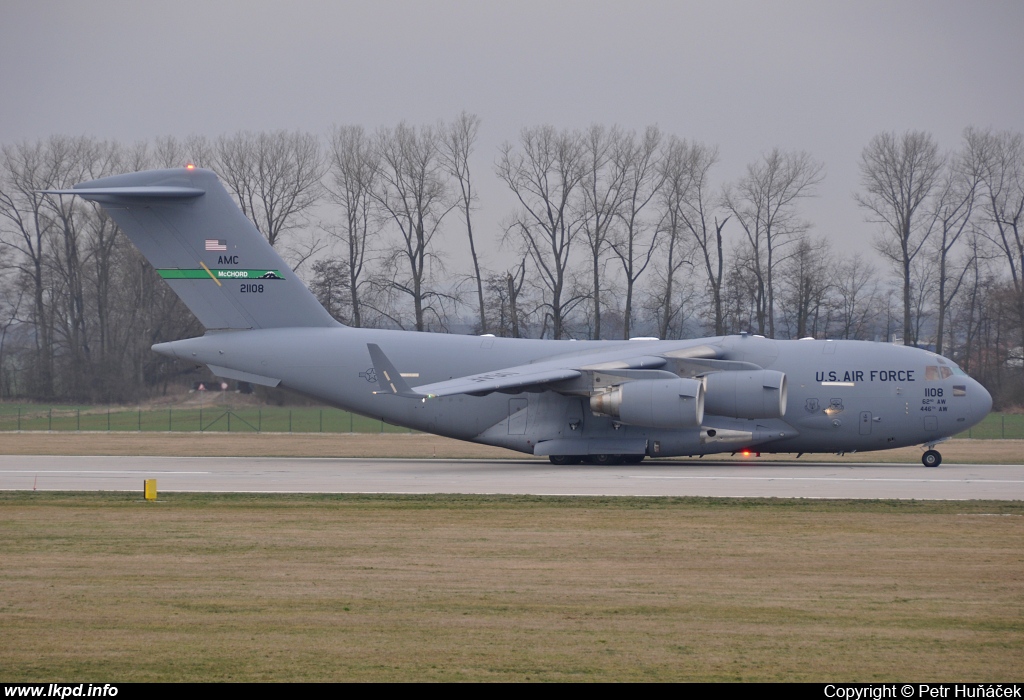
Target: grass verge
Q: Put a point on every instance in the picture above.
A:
(97, 587)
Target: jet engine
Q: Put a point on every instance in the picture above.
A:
(653, 403)
(746, 394)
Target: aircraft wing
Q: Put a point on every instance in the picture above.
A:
(507, 379)
(511, 379)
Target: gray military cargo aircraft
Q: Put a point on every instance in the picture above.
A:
(599, 401)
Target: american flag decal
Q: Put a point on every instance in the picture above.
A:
(216, 244)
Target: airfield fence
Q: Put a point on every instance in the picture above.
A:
(267, 419)
(274, 419)
(1001, 426)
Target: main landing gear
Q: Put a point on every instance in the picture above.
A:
(562, 460)
(931, 458)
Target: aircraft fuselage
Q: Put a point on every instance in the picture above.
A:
(843, 396)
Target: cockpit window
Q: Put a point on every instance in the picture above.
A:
(932, 373)
(945, 361)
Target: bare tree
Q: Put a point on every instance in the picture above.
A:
(972, 308)
(764, 203)
(330, 287)
(950, 213)
(922, 282)
(171, 152)
(856, 293)
(84, 269)
(457, 142)
(544, 172)
(687, 205)
(28, 235)
(68, 252)
(504, 299)
(805, 286)
(899, 174)
(412, 191)
(742, 294)
(12, 296)
(354, 175)
(667, 300)
(275, 176)
(605, 161)
(997, 159)
(635, 239)
(514, 280)
(84, 322)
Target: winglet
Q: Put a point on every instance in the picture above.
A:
(392, 380)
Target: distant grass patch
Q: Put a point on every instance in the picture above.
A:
(456, 587)
(274, 419)
(280, 419)
(997, 426)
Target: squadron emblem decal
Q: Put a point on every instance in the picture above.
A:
(219, 274)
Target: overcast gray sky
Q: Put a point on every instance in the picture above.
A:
(748, 76)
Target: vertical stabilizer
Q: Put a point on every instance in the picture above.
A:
(193, 233)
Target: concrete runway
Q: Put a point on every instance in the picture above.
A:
(731, 479)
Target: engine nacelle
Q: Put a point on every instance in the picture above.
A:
(654, 403)
(746, 394)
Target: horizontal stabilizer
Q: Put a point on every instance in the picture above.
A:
(393, 381)
(240, 376)
(111, 194)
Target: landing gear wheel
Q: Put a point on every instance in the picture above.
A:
(605, 459)
(632, 459)
(563, 460)
(931, 458)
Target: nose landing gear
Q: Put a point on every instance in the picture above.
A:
(931, 458)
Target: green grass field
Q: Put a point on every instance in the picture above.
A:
(271, 419)
(1008, 426)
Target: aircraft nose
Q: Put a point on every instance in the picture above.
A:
(981, 402)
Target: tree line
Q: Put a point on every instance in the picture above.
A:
(614, 233)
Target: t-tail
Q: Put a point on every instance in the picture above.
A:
(192, 231)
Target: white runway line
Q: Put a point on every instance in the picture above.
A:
(829, 478)
(41, 472)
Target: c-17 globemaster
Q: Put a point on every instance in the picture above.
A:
(599, 401)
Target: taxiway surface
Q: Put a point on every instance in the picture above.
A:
(308, 475)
